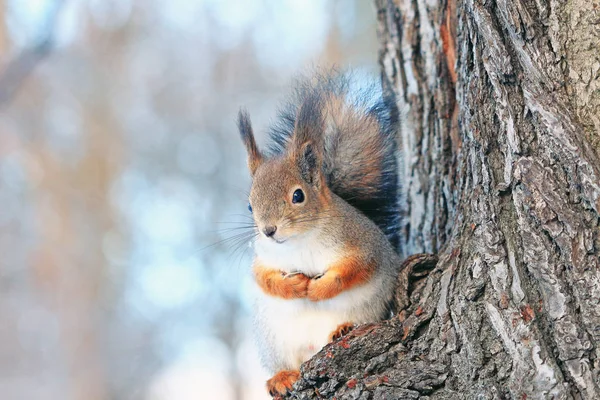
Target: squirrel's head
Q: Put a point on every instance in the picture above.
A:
(289, 193)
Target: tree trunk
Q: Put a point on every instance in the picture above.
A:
(501, 172)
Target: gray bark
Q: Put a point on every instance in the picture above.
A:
(501, 172)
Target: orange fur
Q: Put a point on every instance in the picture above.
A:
(282, 382)
(342, 276)
(275, 283)
(341, 330)
(448, 35)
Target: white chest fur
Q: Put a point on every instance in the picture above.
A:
(294, 330)
(307, 254)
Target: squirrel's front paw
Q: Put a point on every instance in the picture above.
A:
(279, 284)
(323, 287)
(294, 285)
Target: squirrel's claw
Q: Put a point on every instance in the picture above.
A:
(282, 382)
(291, 274)
(341, 330)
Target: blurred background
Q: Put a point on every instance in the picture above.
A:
(121, 174)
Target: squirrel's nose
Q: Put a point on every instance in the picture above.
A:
(269, 231)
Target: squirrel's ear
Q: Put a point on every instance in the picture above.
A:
(307, 140)
(255, 157)
(309, 162)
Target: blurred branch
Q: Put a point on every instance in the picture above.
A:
(18, 69)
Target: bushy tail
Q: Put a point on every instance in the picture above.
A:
(359, 136)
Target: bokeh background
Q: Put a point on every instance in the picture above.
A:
(121, 174)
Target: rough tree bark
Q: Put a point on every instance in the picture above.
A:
(500, 149)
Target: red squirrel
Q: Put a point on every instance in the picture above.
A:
(323, 200)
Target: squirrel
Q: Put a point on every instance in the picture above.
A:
(324, 200)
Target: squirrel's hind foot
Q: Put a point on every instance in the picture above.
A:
(340, 331)
(282, 382)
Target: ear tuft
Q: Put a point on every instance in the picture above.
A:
(255, 157)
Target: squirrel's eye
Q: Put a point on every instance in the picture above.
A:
(249, 207)
(298, 196)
